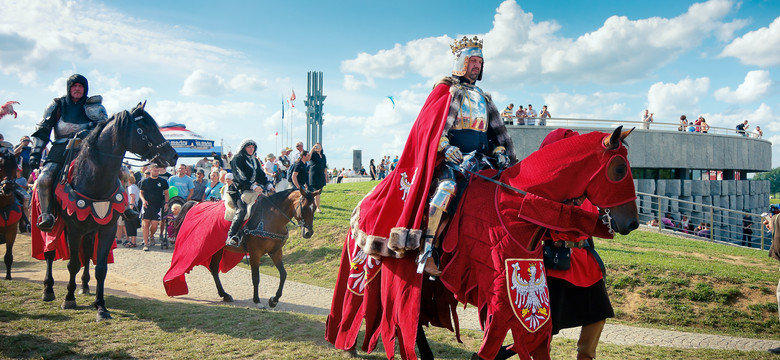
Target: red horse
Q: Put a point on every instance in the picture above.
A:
(491, 255)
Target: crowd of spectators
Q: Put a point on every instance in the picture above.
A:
(527, 116)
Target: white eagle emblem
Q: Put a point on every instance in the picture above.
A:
(362, 268)
(405, 185)
(530, 297)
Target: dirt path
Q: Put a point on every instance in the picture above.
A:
(139, 274)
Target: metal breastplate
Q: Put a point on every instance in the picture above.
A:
(65, 129)
(469, 130)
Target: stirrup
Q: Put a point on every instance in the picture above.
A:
(431, 268)
(233, 241)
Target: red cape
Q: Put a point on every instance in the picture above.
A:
(401, 209)
(202, 234)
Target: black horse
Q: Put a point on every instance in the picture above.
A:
(95, 175)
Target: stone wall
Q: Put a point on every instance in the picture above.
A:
(750, 196)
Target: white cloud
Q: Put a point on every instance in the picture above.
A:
(668, 101)
(622, 50)
(762, 116)
(755, 86)
(245, 82)
(33, 40)
(759, 47)
(201, 83)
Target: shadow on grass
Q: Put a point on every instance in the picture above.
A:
(29, 346)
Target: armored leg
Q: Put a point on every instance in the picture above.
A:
(49, 171)
(238, 219)
(437, 208)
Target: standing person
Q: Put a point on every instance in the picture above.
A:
(299, 151)
(213, 188)
(747, 230)
(683, 123)
(133, 201)
(269, 167)
(248, 175)
(759, 132)
(154, 194)
(507, 114)
(300, 172)
(199, 185)
(543, 116)
(647, 118)
(78, 114)
(742, 128)
(372, 169)
(22, 153)
(318, 171)
(183, 183)
(530, 114)
(283, 163)
(382, 169)
(772, 223)
(704, 126)
(520, 115)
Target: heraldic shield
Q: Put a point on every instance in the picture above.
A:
(362, 268)
(527, 291)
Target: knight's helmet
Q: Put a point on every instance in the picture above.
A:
(463, 50)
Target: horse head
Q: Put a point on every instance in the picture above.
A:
(304, 211)
(7, 172)
(147, 141)
(570, 166)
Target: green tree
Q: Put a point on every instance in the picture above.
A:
(774, 179)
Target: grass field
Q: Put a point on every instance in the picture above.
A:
(654, 281)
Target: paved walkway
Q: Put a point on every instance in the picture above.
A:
(139, 274)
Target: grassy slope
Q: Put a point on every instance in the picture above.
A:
(653, 279)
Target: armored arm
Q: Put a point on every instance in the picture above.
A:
(42, 134)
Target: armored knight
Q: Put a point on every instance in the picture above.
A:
(248, 175)
(70, 117)
(473, 126)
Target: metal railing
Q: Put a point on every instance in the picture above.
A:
(602, 123)
(721, 224)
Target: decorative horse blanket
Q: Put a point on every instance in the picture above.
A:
(202, 234)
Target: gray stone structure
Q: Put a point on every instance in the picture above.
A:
(666, 150)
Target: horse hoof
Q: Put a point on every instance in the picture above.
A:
(84, 291)
(227, 298)
(273, 301)
(68, 305)
(261, 306)
(48, 296)
(103, 314)
(8, 277)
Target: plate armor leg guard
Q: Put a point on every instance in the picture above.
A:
(440, 203)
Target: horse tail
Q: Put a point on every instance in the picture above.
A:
(180, 219)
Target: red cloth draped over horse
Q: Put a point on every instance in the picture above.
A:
(487, 262)
(199, 238)
(101, 211)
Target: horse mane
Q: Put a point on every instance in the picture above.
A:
(88, 155)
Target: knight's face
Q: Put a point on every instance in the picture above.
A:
(249, 149)
(474, 68)
(76, 91)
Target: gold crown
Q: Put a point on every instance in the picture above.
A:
(465, 43)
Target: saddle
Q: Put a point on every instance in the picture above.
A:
(248, 198)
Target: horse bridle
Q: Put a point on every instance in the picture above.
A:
(150, 147)
(299, 218)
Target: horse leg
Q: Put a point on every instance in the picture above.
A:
(105, 241)
(214, 268)
(422, 344)
(74, 265)
(277, 259)
(48, 279)
(10, 238)
(87, 248)
(254, 264)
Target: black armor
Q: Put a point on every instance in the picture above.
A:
(68, 120)
(248, 174)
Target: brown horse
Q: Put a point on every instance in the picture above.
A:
(10, 208)
(266, 233)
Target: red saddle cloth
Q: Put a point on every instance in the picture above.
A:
(55, 239)
(202, 234)
(11, 214)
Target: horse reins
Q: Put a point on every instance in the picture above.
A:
(299, 223)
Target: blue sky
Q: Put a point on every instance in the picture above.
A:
(223, 68)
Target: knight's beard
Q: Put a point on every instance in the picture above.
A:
(473, 76)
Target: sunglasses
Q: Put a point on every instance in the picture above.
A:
(147, 173)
